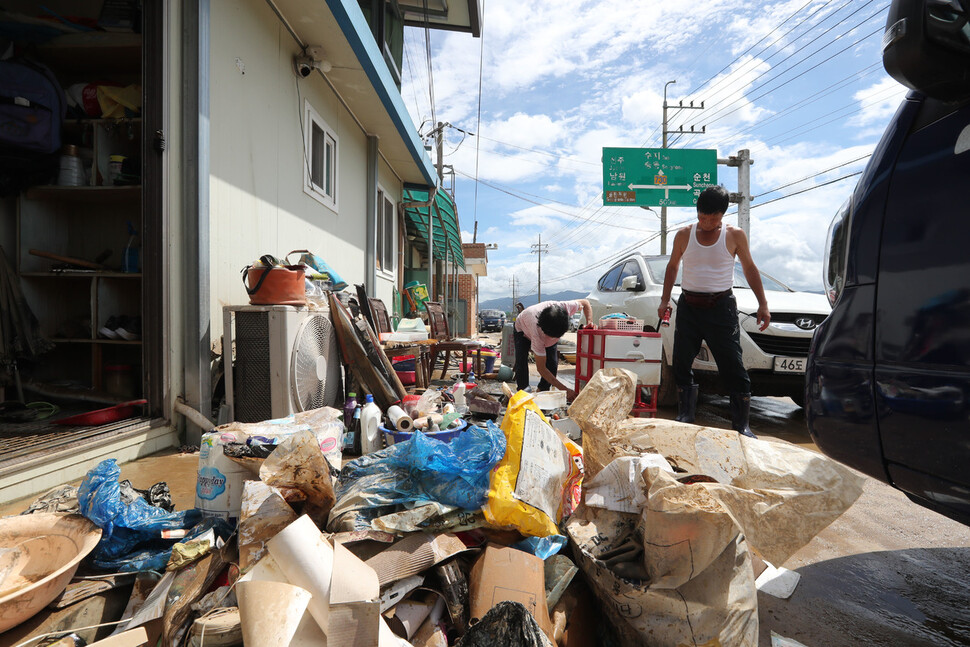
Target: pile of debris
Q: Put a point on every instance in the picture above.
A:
(651, 532)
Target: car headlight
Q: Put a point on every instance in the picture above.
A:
(836, 254)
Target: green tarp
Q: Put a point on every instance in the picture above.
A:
(444, 214)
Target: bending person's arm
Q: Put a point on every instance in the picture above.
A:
(545, 373)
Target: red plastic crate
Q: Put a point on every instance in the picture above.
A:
(591, 355)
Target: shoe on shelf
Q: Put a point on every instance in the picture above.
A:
(110, 328)
(130, 328)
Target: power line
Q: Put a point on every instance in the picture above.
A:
(811, 188)
(478, 127)
(755, 58)
(809, 177)
(521, 196)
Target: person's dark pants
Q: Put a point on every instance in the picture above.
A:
(522, 348)
(719, 327)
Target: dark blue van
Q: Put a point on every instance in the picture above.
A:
(888, 380)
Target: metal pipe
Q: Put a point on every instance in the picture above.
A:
(192, 415)
(370, 249)
(195, 197)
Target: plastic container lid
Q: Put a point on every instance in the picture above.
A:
(368, 398)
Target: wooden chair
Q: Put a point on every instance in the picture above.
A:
(378, 316)
(445, 343)
(381, 321)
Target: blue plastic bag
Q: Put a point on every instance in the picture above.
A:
(541, 547)
(155, 554)
(125, 525)
(419, 470)
(319, 269)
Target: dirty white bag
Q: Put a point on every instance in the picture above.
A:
(778, 494)
(604, 402)
(299, 463)
(688, 550)
(717, 606)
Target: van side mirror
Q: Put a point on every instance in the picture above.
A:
(630, 283)
(926, 47)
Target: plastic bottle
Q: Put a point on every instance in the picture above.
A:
(460, 406)
(370, 419)
(349, 407)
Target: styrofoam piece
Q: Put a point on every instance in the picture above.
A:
(777, 581)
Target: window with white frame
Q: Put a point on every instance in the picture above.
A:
(320, 156)
(385, 233)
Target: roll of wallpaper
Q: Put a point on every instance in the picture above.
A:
(401, 420)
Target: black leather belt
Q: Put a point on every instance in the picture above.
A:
(709, 295)
(704, 300)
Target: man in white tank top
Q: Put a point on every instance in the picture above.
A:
(707, 310)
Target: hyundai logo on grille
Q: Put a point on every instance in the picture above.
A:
(805, 323)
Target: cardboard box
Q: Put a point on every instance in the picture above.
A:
(502, 574)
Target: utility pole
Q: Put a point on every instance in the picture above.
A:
(540, 249)
(742, 198)
(680, 131)
(512, 283)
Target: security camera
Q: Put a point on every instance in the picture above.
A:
(312, 58)
(304, 66)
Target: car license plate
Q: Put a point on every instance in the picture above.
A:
(790, 364)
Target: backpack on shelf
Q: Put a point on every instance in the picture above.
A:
(32, 109)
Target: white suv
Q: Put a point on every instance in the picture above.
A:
(775, 359)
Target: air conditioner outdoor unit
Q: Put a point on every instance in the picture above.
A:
(286, 361)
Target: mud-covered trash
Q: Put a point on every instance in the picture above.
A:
(536, 484)
(59, 500)
(718, 605)
(413, 473)
(264, 513)
(507, 624)
(298, 462)
(131, 525)
(604, 402)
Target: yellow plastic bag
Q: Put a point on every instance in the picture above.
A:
(526, 489)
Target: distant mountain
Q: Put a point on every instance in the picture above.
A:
(505, 303)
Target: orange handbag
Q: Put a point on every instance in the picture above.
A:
(275, 284)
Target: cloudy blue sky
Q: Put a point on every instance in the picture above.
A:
(799, 84)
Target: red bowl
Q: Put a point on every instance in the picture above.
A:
(104, 416)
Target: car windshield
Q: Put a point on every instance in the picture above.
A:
(492, 313)
(658, 268)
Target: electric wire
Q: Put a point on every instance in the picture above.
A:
(811, 188)
(537, 203)
(878, 30)
(806, 101)
(789, 135)
(710, 117)
(478, 127)
(712, 91)
(784, 186)
(737, 58)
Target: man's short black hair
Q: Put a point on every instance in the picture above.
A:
(713, 199)
(554, 320)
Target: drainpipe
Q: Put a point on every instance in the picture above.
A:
(195, 201)
(370, 253)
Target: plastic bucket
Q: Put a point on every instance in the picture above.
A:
(393, 436)
(276, 286)
(219, 482)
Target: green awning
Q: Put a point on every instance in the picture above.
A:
(445, 221)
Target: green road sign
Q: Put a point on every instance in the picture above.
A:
(657, 177)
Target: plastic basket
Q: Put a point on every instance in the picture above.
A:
(621, 324)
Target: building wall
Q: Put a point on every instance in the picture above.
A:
(257, 202)
(466, 291)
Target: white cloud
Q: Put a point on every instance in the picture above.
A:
(568, 78)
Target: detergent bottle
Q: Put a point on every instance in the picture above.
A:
(370, 420)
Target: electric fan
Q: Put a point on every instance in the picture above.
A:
(315, 364)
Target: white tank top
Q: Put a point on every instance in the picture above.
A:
(708, 268)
